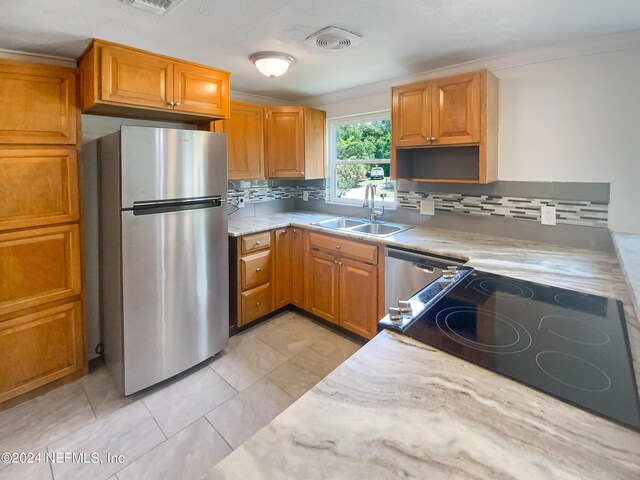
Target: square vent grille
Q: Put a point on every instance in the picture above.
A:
(159, 7)
(333, 38)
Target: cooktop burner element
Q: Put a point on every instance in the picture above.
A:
(582, 302)
(568, 344)
(461, 324)
(502, 287)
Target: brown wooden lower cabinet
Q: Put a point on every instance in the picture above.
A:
(322, 285)
(282, 271)
(40, 347)
(297, 255)
(358, 283)
(336, 279)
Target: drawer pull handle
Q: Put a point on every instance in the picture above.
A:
(258, 269)
(258, 243)
(257, 304)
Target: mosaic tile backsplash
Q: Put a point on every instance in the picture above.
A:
(585, 213)
(269, 193)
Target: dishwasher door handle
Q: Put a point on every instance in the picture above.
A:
(424, 268)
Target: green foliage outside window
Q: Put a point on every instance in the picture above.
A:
(361, 141)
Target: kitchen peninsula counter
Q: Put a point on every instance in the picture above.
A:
(401, 409)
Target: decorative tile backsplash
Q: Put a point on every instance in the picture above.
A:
(585, 213)
(269, 193)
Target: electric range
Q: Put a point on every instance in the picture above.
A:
(571, 345)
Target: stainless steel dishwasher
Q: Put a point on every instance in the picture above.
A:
(407, 271)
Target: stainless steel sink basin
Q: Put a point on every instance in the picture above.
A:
(364, 227)
(340, 223)
(379, 229)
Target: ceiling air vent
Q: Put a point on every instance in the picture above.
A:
(159, 7)
(333, 38)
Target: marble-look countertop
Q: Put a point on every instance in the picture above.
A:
(402, 409)
(628, 249)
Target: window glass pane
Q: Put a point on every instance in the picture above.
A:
(364, 141)
(351, 181)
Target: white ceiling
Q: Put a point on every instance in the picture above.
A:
(400, 37)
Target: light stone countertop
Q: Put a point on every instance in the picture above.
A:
(401, 409)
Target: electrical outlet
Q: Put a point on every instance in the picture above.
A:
(427, 207)
(240, 202)
(305, 196)
(548, 215)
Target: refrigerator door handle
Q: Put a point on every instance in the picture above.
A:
(164, 206)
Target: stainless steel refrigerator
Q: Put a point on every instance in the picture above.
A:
(164, 274)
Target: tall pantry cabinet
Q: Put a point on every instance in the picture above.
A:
(41, 320)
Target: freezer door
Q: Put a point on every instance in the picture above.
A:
(175, 287)
(165, 163)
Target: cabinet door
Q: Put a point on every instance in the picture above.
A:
(297, 266)
(136, 78)
(359, 297)
(39, 187)
(411, 115)
(245, 141)
(38, 266)
(322, 283)
(285, 142)
(38, 104)
(282, 273)
(39, 348)
(456, 110)
(200, 90)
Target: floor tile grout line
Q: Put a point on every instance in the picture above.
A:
(89, 401)
(53, 477)
(154, 419)
(216, 430)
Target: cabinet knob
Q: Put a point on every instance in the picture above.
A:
(282, 232)
(433, 139)
(339, 263)
(337, 247)
(257, 243)
(177, 104)
(171, 104)
(295, 231)
(257, 304)
(335, 261)
(258, 269)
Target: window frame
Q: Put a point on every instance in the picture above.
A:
(333, 162)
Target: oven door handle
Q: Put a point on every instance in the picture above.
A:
(424, 268)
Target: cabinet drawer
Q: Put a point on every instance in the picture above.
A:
(339, 246)
(38, 266)
(255, 269)
(39, 187)
(255, 303)
(255, 242)
(39, 348)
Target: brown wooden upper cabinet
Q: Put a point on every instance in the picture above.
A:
(38, 104)
(295, 142)
(245, 140)
(121, 80)
(445, 111)
(460, 110)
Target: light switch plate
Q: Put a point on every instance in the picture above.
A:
(305, 196)
(548, 215)
(427, 207)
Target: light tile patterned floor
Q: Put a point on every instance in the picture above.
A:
(182, 428)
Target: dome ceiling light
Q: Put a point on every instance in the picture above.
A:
(272, 64)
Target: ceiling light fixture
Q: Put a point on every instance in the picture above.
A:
(272, 64)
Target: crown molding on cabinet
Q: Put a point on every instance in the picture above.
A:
(237, 96)
(37, 58)
(575, 48)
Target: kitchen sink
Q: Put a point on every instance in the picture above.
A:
(365, 227)
(340, 223)
(379, 229)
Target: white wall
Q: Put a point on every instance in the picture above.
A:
(573, 119)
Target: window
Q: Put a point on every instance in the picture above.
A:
(359, 150)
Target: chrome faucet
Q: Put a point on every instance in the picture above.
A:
(375, 213)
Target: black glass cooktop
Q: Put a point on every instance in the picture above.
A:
(571, 345)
